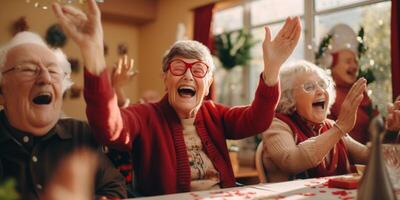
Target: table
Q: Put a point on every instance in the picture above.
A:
(316, 188)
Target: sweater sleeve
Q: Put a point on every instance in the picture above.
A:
(104, 116)
(245, 121)
(358, 152)
(280, 145)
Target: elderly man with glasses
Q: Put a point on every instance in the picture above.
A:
(177, 144)
(33, 138)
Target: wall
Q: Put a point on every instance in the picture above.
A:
(39, 20)
(147, 43)
(158, 36)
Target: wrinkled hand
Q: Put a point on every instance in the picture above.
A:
(86, 30)
(123, 72)
(393, 118)
(348, 111)
(277, 51)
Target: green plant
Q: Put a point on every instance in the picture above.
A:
(233, 48)
(7, 190)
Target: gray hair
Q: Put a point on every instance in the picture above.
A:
(188, 49)
(27, 37)
(290, 73)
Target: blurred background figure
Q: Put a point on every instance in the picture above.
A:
(121, 75)
(341, 57)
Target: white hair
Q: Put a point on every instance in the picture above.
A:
(27, 37)
(188, 49)
(289, 74)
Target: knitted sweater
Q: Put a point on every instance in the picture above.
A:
(153, 133)
(282, 158)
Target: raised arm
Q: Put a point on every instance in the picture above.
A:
(86, 31)
(246, 121)
(277, 51)
(103, 113)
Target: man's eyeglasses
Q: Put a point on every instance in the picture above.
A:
(31, 71)
(311, 86)
(178, 67)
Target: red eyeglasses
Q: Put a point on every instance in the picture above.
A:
(178, 67)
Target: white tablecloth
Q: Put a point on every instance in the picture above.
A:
(316, 188)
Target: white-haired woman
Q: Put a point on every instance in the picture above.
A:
(301, 142)
(177, 144)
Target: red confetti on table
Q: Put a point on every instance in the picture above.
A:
(322, 191)
(340, 193)
(308, 194)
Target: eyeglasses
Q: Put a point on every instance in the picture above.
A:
(178, 67)
(311, 86)
(30, 71)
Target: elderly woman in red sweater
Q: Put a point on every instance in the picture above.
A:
(177, 144)
(301, 142)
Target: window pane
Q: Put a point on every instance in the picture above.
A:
(329, 4)
(228, 20)
(257, 62)
(264, 11)
(375, 19)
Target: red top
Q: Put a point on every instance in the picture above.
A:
(153, 133)
(364, 114)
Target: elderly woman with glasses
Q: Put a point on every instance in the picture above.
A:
(301, 142)
(177, 144)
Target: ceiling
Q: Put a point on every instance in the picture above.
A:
(131, 11)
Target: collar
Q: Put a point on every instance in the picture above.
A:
(315, 127)
(9, 132)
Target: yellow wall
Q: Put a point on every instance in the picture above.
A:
(147, 43)
(39, 20)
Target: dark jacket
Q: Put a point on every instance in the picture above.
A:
(32, 161)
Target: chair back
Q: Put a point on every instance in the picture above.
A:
(259, 163)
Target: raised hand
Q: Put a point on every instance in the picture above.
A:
(393, 118)
(277, 51)
(86, 31)
(123, 72)
(348, 111)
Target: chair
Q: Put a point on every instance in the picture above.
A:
(259, 163)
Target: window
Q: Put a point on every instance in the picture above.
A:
(317, 16)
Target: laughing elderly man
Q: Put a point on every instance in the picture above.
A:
(33, 138)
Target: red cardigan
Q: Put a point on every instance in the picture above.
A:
(153, 133)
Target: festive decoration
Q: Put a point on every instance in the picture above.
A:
(323, 47)
(74, 65)
(122, 49)
(45, 4)
(367, 73)
(55, 37)
(20, 25)
(233, 51)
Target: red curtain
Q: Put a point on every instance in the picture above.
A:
(395, 46)
(202, 32)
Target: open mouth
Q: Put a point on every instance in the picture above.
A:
(351, 72)
(186, 91)
(319, 104)
(43, 99)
